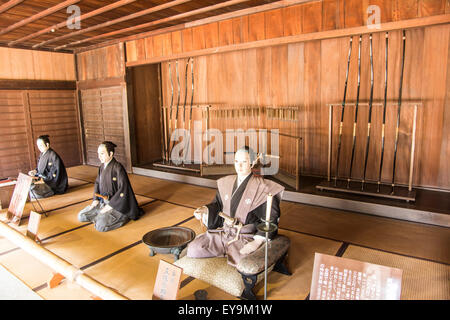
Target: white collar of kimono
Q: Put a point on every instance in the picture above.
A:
(240, 179)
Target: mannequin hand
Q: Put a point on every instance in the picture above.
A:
(251, 246)
(199, 212)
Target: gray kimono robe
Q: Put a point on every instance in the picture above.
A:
(246, 203)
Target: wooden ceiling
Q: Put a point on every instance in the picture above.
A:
(42, 24)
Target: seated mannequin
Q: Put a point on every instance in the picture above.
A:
(114, 203)
(242, 197)
(51, 169)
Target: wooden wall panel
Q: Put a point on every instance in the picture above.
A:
(15, 145)
(273, 22)
(177, 43)
(307, 76)
(211, 35)
(433, 94)
(404, 9)
(256, 27)
(147, 128)
(329, 16)
(29, 114)
(225, 32)
(431, 7)
(102, 111)
(104, 98)
(305, 18)
(312, 17)
(187, 40)
(198, 38)
(55, 113)
(104, 63)
(36, 65)
(353, 11)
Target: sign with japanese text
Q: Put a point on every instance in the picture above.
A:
(33, 225)
(19, 198)
(336, 278)
(167, 281)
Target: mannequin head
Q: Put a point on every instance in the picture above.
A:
(243, 160)
(106, 151)
(43, 143)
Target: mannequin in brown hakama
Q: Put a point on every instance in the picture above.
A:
(117, 204)
(243, 197)
(51, 169)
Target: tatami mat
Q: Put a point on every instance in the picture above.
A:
(86, 173)
(73, 195)
(421, 280)
(85, 245)
(133, 273)
(408, 238)
(73, 183)
(300, 263)
(119, 260)
(178, 193)
(11, 288)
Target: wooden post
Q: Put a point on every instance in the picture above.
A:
(330, 131)
(413, 145)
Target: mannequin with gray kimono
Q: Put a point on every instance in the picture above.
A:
(242, 197)
(50, 169)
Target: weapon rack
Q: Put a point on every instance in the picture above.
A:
(353, 185)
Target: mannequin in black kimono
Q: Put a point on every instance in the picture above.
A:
(114, 203)
(242, 197)
(51, 169)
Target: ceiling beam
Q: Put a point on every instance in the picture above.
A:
(203, 21)
(85, 16)
(8, 5)
(115, 21)
(157, 22)
(39, 15)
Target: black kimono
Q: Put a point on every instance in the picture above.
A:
(113, 182)
(51, 169)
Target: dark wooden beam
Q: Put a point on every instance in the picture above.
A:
(6, 84)
(38, 16)
(157, 22)
(101, 83)
(115, 21)
(8, 5)
(85, 16)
